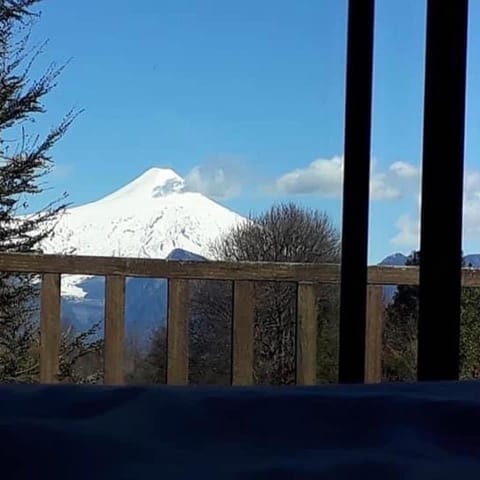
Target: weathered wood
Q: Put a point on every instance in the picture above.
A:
(307, 334)
(156, 268)
(114, 330)
(395, 276)
(261, 271)
(243, 333)
(177, 333)
(374, 334)
(50, 327)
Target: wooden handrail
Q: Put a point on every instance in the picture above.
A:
(243, 275)
(209, 270)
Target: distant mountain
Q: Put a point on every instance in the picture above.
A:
(151, 217)
(183, 255)
(154, 216)
(397, 259)
(145, 302)
(472, 260)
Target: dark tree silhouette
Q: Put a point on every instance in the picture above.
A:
(24, 161)
(401, 328)
(285, 233)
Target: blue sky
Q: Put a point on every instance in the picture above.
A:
(254, 90)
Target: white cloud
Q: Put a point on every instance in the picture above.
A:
(408, 230)
(471, 205)
(472, 182)
(404, 170)
(408, 233)
(325, 177)
(381, 189)
(322, 177)
(216, 179)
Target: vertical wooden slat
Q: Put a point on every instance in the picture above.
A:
(307, 334)
(177, 332)
(374, 335)
(243, 332)
(114, 330)
(353, 293)
(442, 190)
(50, 327)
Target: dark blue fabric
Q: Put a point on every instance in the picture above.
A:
(388, 432)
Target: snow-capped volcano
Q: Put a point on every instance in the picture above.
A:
(148, 218)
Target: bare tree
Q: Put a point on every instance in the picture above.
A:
(285, 233)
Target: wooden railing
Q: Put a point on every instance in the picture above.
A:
(178, 274)
(360, 309)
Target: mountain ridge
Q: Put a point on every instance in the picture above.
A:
(399, 259)
(145, 301)
(148, 218)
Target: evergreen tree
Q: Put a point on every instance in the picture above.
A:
(401, 327)
(470, 334)
(24, 161)
(400, 332)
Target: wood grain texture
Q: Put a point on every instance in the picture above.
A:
(374, 335)
(50, 328)
(177, 333)
(307, 334)
(243, 333)
(114, 330)
(156, 268)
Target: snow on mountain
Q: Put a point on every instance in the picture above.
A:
(148, 218)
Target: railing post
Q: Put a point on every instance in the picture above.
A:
(50, 328)
(114, 330)
(307, 334)
(374, 334)
(177, 332)
(243, 332)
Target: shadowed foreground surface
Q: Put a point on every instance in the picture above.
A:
(375, 432)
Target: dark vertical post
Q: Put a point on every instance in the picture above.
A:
(356, 189)
(442, 190)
